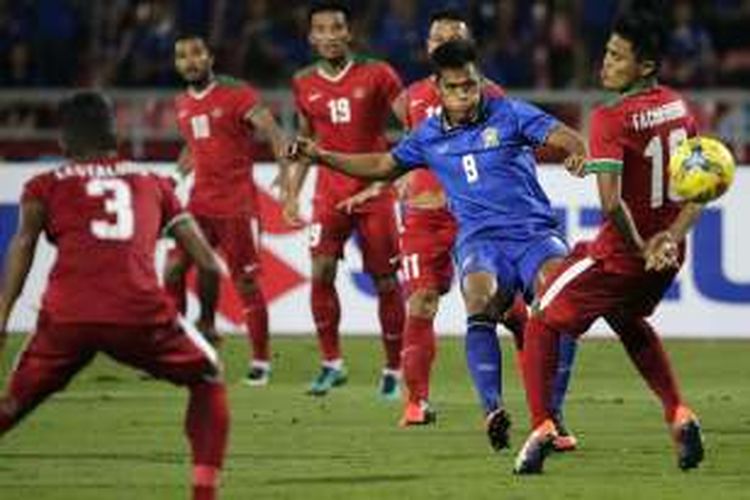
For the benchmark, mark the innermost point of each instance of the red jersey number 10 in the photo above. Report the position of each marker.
(118, 202)
(655, 152)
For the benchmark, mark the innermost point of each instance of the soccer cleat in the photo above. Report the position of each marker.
(418, 414)
(258, 376)
(686, 431)
(565, 440)
(327, 379)
(390, 387)
(497, 426)
(539, 444)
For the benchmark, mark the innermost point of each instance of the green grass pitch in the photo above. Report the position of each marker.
(111, 435)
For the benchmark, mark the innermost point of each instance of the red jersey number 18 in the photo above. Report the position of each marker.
(655, 151)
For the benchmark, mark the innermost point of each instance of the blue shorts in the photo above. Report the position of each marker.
(514, 264)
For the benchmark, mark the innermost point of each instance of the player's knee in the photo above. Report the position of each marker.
(563, 318)
(246, 284)
(324, 269)
(385, 283)
(423, 303)
(477, 301)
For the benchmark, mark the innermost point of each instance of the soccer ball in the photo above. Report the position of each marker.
(701, 169)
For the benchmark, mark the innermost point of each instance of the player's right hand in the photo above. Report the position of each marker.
(576, 165)
(661, 252)
(350, 204)
(290, 211)
(304, 149)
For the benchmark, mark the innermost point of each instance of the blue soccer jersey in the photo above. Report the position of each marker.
(487, 168)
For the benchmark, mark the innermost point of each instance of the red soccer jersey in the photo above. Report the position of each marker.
(423, 101)
(637, 134)
(347, 114)
(212, 123)
(104, 218)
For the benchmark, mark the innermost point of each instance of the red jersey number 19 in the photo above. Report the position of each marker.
(655, 151)
(118, 201)
(341, 110)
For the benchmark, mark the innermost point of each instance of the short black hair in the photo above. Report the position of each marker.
(642, 25)
(448, 14)
(330, 6)
(193, 35)
(454, 54)
(87, 123)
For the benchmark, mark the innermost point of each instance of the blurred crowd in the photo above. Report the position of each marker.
(525, 43)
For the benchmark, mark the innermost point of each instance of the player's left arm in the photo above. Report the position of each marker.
(261, 118)
(539, 127)
(19, 259)
(189, 236)
(569, 140)
(616, 209)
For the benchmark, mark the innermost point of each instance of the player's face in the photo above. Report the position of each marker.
(460, 92)
(193, 60)
(446, 31)
(621, 68)
(330, 35)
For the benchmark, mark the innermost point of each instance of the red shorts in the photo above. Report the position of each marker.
(174, 351)
(236, 238)
(426, 245)
(584, 289)
(375, 223)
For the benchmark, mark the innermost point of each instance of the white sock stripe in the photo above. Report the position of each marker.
(561, 281)
(200, 342)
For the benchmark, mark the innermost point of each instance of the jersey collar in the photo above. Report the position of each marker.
(203, 93)
(639, 86)
(482, 114)
(341, 74)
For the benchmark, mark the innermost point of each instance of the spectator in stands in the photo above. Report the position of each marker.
(148, 46)
(732, 32)
(595, 23)
(59, 37)
(690, 60)
(256, 56)
(397, 39)
(510, 48)
(564, 63)
(15, 51)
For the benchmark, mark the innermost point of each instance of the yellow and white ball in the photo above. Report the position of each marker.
(701, 169)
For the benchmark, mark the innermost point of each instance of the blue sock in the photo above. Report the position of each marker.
(484, 361)
(567, 348)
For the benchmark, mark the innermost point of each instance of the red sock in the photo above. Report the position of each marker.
(207, 427)
(647, 354)
(539, 367)
(515, 319)
(391, 310)
(326, 314)
(256, 319)
(417, 356)
(204, 493)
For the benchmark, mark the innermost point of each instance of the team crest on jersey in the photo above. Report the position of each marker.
(217, 112)
(182, 114)
(490, 137)
(359, 93)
